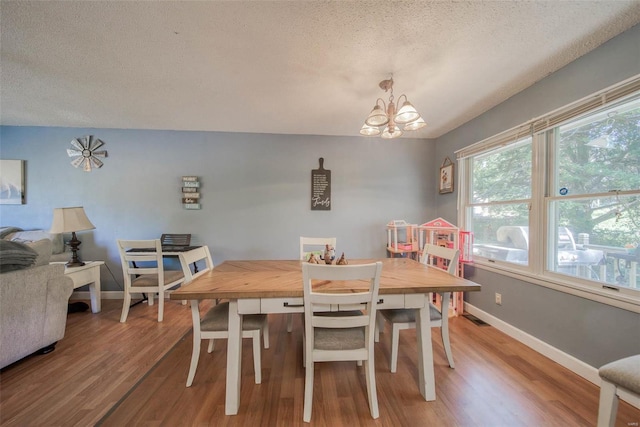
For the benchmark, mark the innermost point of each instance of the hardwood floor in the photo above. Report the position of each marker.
(112, 374)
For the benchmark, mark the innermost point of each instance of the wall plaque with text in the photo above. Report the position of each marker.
(321, 188)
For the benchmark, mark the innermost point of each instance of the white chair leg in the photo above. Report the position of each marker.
(304, 352)
(308, 391)
(289, 322)
(211, 345)
(395, 342)
(379, 326)
(125, 307)
(160, 306)
(372, 393)
(195, 356)
(608, 405)
(257, 365)
(150, 297)
(444, 332)
(265, 334)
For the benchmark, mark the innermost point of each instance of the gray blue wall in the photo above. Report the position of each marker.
(593, 332)
(255, 189)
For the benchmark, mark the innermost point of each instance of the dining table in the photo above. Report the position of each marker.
(275, 286)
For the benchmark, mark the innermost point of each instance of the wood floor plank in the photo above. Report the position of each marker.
(112, 374)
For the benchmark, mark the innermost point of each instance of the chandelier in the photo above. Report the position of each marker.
(385, 118)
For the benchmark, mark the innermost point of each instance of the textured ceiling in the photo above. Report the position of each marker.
(305, 67)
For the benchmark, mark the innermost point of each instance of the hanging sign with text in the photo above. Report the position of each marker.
(320, 188)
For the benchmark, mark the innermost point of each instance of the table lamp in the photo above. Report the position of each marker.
(70, 220)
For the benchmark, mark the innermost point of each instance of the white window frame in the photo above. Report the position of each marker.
(540, 128)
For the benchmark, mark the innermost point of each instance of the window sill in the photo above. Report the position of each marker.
(615, 298)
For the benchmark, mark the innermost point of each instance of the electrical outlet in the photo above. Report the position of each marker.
(498, 298)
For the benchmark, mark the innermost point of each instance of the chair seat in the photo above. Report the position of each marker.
(339, 339)
(152, 280)
(217, 319)
(405, 315)
(624, 373)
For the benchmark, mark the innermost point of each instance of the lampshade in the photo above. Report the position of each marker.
(385, 118)
(406, 113)
(415, 125)
(369, 130)
(387, 133)
(67, 220)
(377, 117)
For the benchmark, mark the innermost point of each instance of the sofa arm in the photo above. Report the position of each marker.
(59, 289)
(33, 310)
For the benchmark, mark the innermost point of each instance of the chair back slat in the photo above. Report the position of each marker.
(340, 321)
(432, 253)
(193, 256)
(175, 239)
(318, 273)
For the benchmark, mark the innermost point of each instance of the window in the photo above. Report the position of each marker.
(500, 199)
(595, 196)
(558, 198)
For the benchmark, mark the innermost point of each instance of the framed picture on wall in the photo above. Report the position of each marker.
(446, 176)
(11, 182)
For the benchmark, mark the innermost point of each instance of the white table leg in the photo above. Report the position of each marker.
(234, 359)
(425, 352)
(94, 291)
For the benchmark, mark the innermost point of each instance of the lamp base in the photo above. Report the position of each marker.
(73, 244)
(74, 264)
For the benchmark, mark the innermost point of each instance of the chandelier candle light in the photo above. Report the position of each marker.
(384, 118)
(70, 220)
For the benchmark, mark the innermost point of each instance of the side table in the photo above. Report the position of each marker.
(88, 274)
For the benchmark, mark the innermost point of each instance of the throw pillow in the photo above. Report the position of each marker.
(43, 248)
(15, 256)
(35, 235)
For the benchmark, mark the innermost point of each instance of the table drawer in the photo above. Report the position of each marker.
(414, 300)
(390, 301)
(249, 306)
(282, 305)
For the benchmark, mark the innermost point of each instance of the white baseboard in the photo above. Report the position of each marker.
(577, 366)
(103, 295)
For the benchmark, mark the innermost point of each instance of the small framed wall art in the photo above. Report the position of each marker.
(12, 182)
(446, 176)
(190, 192)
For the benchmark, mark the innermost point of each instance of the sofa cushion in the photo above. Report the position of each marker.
(16, 256)
(43, 248)
(35, 235)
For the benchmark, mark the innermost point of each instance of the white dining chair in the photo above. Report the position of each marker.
(215, 323)
(402, 318)
(340, 336)
(308, 245)
(143, 271)
(622, 374)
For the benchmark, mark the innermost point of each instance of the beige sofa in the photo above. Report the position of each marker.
(59, 251)
(33, 306)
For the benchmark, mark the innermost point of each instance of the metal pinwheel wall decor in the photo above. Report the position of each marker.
(84, 151)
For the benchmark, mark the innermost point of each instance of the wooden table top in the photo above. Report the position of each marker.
(283, 278)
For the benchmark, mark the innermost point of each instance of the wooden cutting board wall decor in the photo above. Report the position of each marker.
(320, 188)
